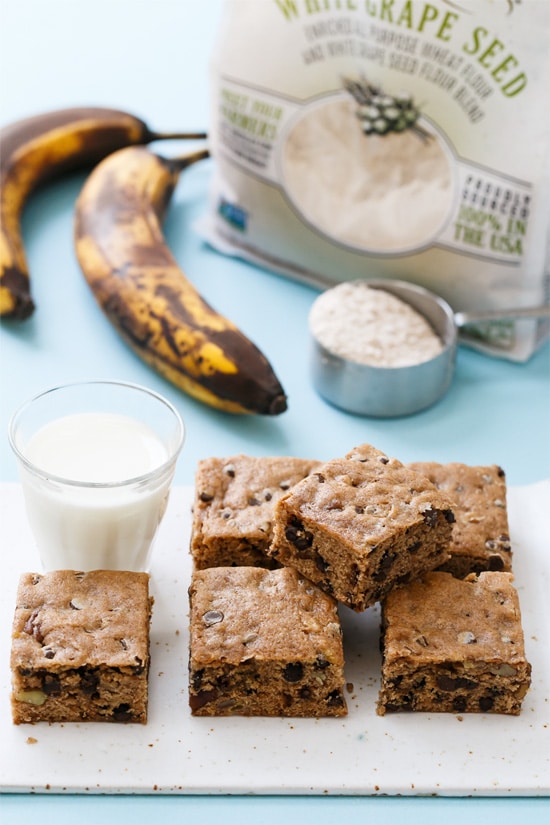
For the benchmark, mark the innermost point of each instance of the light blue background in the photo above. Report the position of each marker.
(151, 58)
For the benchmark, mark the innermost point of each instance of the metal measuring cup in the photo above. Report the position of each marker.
(386, 392)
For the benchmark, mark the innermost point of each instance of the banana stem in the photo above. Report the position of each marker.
(182, 162)
(178, 136)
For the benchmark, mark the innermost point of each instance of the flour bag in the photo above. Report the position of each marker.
(389, 138)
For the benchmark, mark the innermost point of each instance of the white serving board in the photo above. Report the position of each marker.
(362, 754)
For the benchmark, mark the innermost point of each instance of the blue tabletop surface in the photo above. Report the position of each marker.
(151, 58)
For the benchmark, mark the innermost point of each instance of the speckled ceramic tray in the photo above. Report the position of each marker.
(442, 754)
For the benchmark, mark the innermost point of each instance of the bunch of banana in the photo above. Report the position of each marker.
(124, 256)
(37, 149)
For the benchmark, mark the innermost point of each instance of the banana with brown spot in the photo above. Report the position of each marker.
(36, 149)
(123, 254)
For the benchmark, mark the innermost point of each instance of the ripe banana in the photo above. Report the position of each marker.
(123, 254)
(41, 147)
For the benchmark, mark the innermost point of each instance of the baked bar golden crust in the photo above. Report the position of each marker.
(453, 645)
(359, 525)
(234, 507)
(481, 536)
(263, 643)
(80, 647)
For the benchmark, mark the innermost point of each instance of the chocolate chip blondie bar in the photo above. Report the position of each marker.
(481, 536)
(453, 645)
(359, 525)
(80, 647)
(263, 643)
(234, 507)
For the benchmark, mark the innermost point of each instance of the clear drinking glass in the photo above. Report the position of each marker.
(96, 461)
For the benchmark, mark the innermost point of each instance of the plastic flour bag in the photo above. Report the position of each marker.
(389, 138)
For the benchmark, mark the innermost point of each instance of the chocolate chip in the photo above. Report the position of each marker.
(89, 681)
(486, 703)
(199, 700)
(206, 497)
(383, 460)
(320, 478)
(384, 566)
(253, 502)
(459, 704)
(321, 662)
(321, 565)
(431, 516)
(287, 700)
(297, 535)
(293, 672)
(335, 699)
(197, 679)
(392, 707)
(51, 684)
(449, 683)
(504, 544)
(122, 713)
(495, 563)
(327, 586)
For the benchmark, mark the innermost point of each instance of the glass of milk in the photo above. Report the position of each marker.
(96, 461)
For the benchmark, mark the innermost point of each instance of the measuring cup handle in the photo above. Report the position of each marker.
(463, 318)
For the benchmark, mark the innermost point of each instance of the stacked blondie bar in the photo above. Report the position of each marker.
(279, 543)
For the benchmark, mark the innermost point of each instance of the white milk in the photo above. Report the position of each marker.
(86, 527)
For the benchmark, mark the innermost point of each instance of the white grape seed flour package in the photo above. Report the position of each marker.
(389, 138)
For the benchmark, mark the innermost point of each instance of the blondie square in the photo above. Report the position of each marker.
(481, 536)
(359, 525)
(453, 645)
(263, 643)
(234, 508)
(80, 647)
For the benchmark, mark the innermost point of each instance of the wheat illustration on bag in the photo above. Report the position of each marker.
(380, 113)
